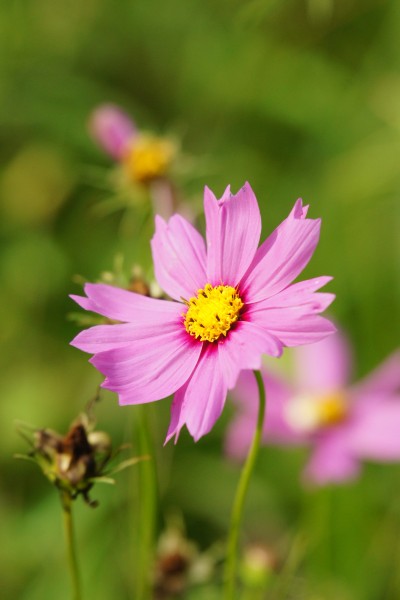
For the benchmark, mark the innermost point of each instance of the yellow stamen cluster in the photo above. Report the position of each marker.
(309, 412)
(149, 158)
(332, 409)
(213, 312)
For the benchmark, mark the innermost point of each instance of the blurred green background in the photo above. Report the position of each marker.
(300, 98)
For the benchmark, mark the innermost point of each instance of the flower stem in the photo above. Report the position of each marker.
(238, 504)
(66, 504)
(147, 509)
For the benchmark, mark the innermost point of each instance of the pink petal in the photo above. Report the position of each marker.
(82, 301)
(282, 257)
(242, 349)
(290, 326)
(292, 315)
(108, 337)
(179, 257)
(233, 226)
(325, 365)
(385, 379)
(151, 368)
(300, 295)
(331, 460)
(375, 431)
(112, 129)
(122, 305)
(177, 422)
(199, 403)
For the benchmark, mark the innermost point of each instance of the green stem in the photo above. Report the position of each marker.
(238, 504)
(66, 504)
(147, 509)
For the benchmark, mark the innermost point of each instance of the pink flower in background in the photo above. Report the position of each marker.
(343, 424)
(145, 157)
(145, 161)
(231, 303)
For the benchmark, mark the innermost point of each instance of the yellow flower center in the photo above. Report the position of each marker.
(212, 312)
(148, 158)
(332, 409)
(309, 412)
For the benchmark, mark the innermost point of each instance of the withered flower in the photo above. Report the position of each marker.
(76, 461)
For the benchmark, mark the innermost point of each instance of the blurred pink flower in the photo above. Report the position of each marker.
(145, 157)
(232, 302)
(112, 129)
(343, 424)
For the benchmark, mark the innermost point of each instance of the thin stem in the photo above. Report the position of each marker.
(238, 504)
(147, 509)
(66, 504)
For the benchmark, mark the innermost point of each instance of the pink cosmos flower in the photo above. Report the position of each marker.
(343, 424)
(145, 157)
(231, 303)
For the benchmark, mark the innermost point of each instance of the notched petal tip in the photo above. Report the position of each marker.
(209, 194)
(82, 301)
(197, 433)
(299, 211)
(248, 191)
(159, 221)
(173, 434)
(226, 195)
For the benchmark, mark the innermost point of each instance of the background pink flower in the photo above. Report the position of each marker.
(231, 303)
(343, 424)
(145, 161)
(112, 129)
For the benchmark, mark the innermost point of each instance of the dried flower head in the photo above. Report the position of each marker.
(76, 461)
